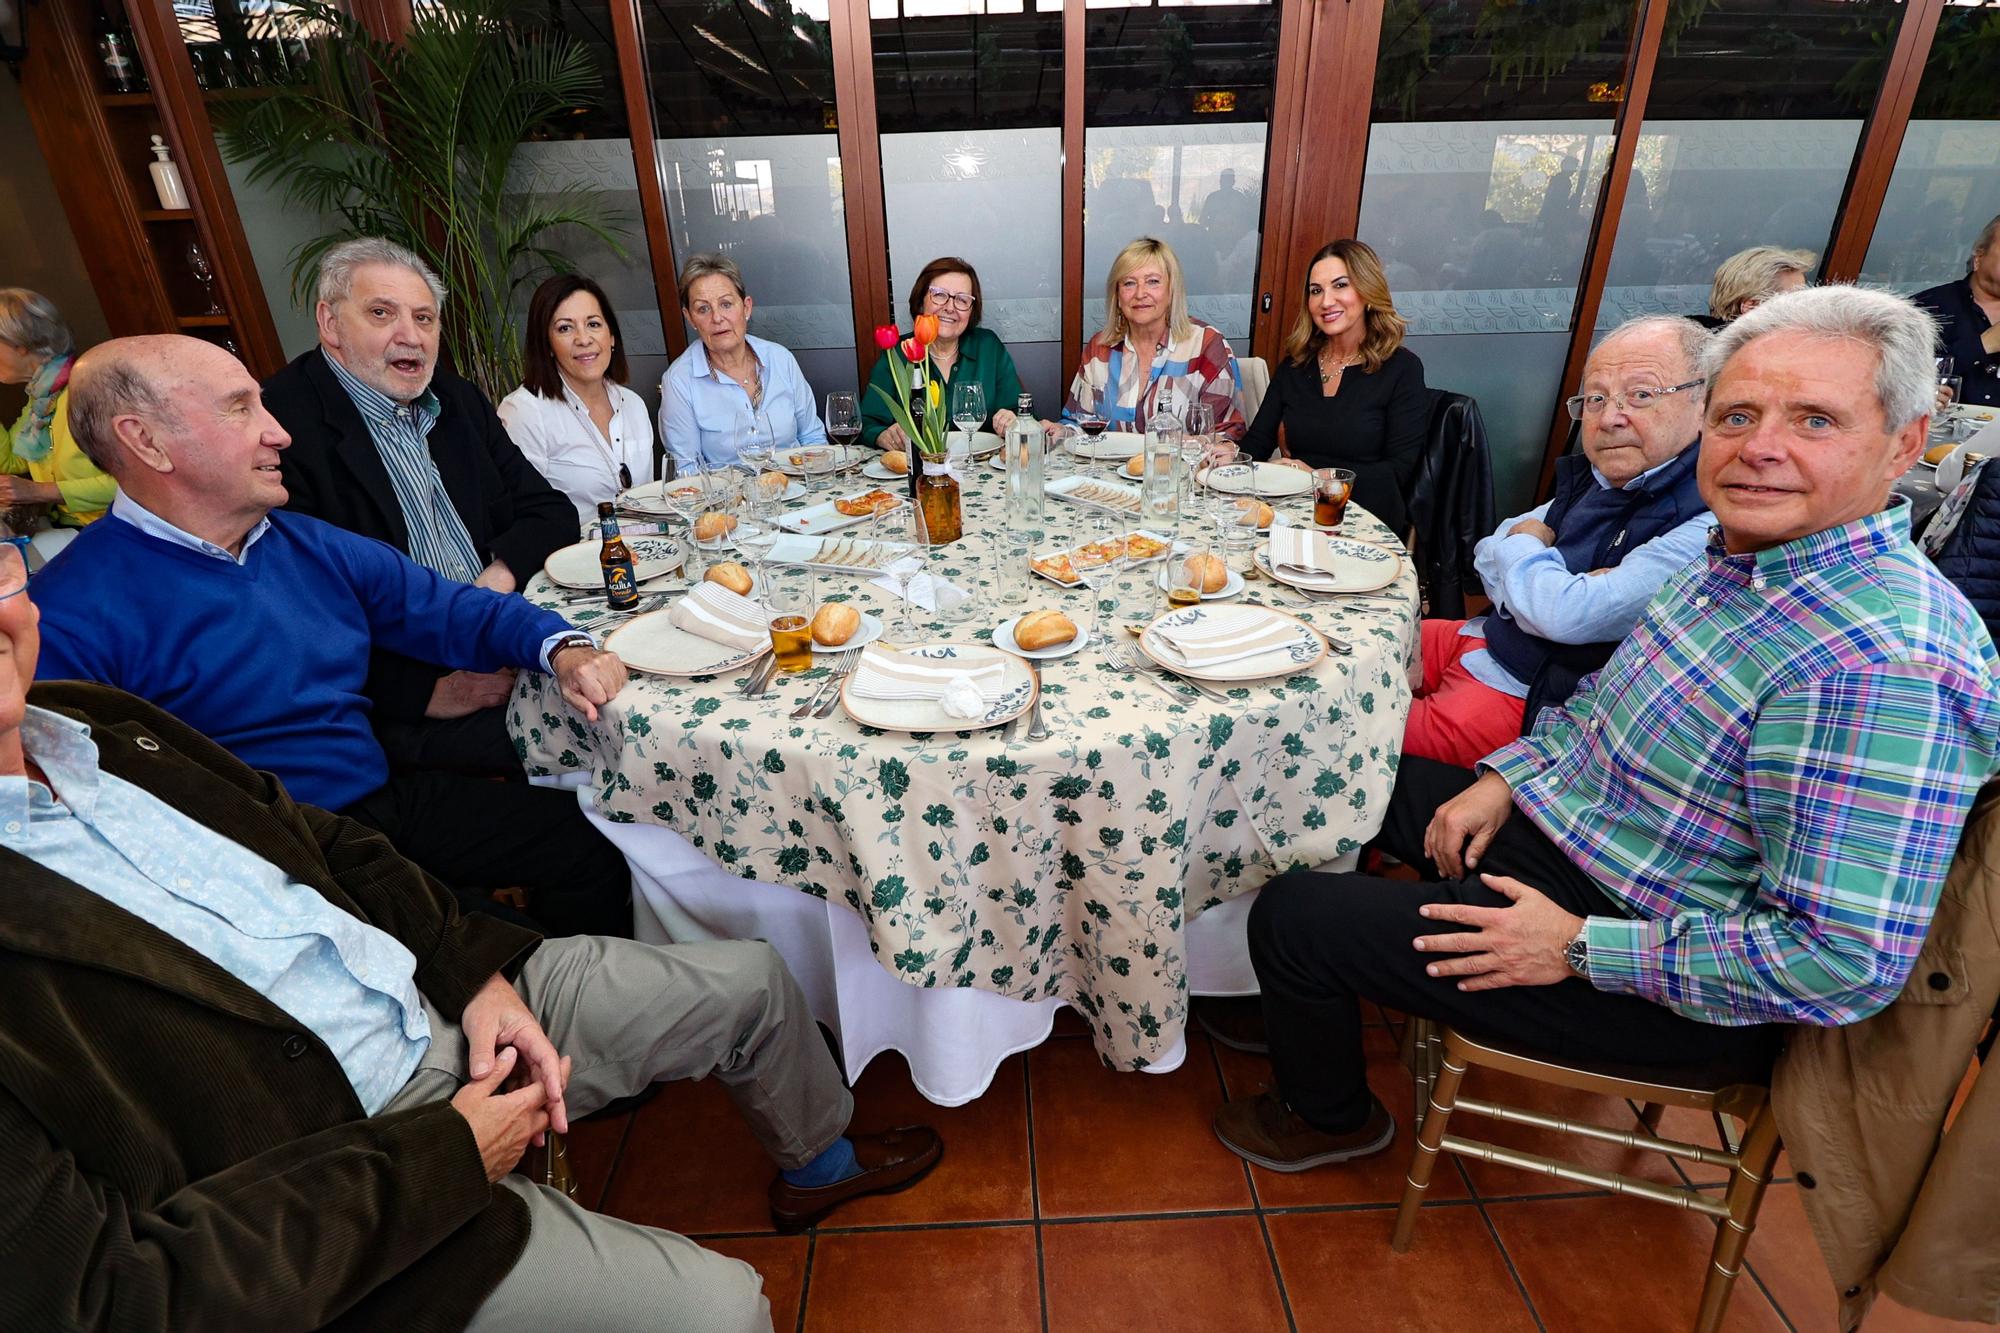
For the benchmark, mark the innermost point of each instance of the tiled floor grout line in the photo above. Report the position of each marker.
(1035, 1191)
(805, 1282)
(1256, 1199)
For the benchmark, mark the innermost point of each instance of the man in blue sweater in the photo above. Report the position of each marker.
(256, 626)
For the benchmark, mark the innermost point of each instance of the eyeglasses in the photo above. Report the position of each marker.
(1632, 400)
(13, 566)
(956, 300)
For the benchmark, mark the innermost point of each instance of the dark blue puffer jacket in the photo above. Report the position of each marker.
(1971, 555)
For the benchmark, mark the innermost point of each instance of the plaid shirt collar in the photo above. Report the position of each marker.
(1789, 562)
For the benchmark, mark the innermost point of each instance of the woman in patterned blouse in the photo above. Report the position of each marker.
(1150, 346)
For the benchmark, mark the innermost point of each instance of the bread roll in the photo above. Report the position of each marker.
(1043, 629)
(896, 461)
(710, 526)
(1937, 453)
(835, 624)
(731, 576)
(1206, 572)
(1256, 514)
(1135, 466)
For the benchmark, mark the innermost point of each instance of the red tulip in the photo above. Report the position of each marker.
(913, 351)
(887, 336)
(926, 329)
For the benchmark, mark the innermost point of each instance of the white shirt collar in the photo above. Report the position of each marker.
(125, 507)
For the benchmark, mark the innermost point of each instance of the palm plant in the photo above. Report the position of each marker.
(412, 141)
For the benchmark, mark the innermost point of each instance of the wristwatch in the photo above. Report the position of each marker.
(1577, 954)
(578, 640)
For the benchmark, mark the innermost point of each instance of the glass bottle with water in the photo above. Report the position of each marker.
(1159, 485)
(1024, 468)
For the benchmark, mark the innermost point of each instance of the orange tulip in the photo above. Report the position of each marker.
(927, 329)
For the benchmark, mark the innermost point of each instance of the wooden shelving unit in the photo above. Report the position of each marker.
(142, 258)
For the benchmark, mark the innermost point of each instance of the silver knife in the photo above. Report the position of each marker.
(1038, 730)
(759, 677)
(833, 697)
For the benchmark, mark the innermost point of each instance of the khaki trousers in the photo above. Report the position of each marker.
(629, 1015)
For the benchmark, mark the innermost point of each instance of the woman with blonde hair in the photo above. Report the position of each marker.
(1751, 277)
(1347, 393)
(1149, 342)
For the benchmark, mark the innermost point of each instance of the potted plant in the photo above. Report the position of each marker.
(936, 488)
(413, 141)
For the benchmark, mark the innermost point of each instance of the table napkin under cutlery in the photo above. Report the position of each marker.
(1227, 634)
(965, 689)
(717, 614)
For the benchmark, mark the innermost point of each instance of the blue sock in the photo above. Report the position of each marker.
(835, 1164)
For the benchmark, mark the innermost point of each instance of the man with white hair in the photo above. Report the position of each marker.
(1743, 821)
(386, 444)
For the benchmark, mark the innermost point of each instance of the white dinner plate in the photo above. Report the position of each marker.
(1270, 479)
(655, 645)
(577, 566)
(876, 472)
(1003, 637)
(822, 518)
(1302, 654)
(985, 444)
(871, 630)
(1017, 691)
(727, 541)
(1361, 567)
(1118, 444)
(1230, 587)
(844, 457)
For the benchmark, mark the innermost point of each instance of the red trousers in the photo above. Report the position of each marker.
(1454, 718)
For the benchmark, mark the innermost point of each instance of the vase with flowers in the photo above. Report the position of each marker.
(919, 410)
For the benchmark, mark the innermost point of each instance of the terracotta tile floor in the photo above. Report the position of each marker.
(1075, 1200)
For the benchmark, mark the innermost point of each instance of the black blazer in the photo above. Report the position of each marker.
(334, 473)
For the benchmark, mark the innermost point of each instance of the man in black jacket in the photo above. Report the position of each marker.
(386, 445)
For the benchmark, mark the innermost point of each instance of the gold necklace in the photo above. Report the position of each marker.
(1327, 376)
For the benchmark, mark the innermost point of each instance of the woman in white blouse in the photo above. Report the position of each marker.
(573, 417)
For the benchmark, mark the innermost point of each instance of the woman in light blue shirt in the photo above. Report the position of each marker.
(730, 386)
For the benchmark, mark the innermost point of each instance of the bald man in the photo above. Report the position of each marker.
(256, 627)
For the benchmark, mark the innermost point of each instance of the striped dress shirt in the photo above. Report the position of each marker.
(438, 539)
(1770, 776)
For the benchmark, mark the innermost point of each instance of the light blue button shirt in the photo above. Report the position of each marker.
(350, 984)
(1573, 606)
(705, 415)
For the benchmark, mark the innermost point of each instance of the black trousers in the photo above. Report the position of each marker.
(1323, 943)
(477, 743)
(476, 835)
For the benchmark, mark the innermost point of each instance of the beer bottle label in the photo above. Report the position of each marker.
(619, 588)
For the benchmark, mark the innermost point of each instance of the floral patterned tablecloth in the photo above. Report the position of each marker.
(1067, 867)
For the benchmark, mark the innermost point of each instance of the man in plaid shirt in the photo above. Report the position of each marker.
(1743, 821)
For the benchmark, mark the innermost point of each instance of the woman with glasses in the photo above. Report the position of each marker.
(1149, 346)
(573, 417)
(46, 481)
(730, 388)
(949, 289)
(1347, 393)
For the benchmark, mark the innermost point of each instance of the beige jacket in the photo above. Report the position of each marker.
(1901, 1201)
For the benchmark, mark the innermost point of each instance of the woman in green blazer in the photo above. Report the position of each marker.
(949, 289)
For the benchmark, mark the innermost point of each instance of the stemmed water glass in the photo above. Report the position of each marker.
(968, 408)
(901, 525)
(843, 419)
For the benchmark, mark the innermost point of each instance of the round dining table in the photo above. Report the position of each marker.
(1060, 870)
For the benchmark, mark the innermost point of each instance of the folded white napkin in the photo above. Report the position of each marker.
(1227, 634)
(965, 689)
(715, 613)
(1300, 553)
(920, 589)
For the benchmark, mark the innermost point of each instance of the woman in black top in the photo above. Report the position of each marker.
(1348, 393)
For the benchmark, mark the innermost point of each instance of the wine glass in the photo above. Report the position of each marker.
(843, 419)
(901, 525)
(968, 408)
(204, 273)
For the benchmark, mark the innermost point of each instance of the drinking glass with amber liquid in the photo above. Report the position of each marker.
(1331, 488)
(791, 593)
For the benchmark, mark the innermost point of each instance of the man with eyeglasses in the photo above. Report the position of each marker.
(1569, 578)
(1742, 822)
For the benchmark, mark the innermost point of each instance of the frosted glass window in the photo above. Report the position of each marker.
(541, 171)
(1945, 188)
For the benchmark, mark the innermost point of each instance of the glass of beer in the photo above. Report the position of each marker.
(791, 593)
(1331, 488)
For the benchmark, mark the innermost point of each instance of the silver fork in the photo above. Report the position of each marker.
(832, 700)
(1142, 662)
(837, 666)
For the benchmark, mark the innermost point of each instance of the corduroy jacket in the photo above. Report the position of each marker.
(178, 1152)
(1900, 1201)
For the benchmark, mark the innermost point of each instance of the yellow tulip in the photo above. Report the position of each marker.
(937, 395)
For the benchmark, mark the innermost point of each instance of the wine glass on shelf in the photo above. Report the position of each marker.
(843, 418)
(968, 408)
(204, 274)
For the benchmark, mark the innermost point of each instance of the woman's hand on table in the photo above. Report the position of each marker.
(1003, 421)
(892, 437)
(1218, 451)
(22, 491)
(1298, 463)
(588, 677)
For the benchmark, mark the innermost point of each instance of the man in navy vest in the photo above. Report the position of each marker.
(1569, 579)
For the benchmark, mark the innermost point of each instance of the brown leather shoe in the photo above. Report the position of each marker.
(890, 1161)
(1264, 1130)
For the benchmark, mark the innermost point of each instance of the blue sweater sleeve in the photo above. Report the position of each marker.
(420, 614)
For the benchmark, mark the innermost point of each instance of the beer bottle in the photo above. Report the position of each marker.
(916, 455)
(621, 589)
